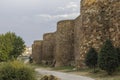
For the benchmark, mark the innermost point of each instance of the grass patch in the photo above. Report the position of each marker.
(99, 75)
(39, 65)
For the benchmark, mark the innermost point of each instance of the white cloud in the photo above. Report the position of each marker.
(63, 16)
(20, 16)
(71, 6)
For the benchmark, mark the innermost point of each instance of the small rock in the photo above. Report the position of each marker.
(49, 77)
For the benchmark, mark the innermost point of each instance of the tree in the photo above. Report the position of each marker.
(91, 58)
(118, 54)
(4, 48)
(18, 47)
(108, 59)
(11, 46)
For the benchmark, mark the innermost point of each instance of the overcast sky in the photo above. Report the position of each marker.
(30, 19)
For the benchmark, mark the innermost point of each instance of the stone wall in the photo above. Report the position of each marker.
(99, 20)
(112, 16)
(48, 47)
(37, 51)
(91, 32)
(64, 43)
(78, 34)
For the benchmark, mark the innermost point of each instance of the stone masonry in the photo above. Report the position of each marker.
(98, 20)
(37, 51)
(48, 48)
(64, 43)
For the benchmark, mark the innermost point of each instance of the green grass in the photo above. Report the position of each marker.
(105, 76)
(39, 65)
(99, 75)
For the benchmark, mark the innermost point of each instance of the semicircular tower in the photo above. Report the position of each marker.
(65, 43)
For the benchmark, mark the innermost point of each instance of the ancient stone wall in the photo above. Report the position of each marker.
(92, 29)
(64, 43)
(78, 34)
(37, 51)
(112, 17)
(100, 20)
(48, 47)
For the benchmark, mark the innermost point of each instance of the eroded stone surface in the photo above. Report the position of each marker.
(99, 20)
(48, 48)
(37, 51)
(65, 43)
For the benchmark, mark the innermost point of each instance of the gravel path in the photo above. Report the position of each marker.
(61, 75)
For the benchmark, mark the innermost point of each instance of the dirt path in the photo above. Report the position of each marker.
(61, 75)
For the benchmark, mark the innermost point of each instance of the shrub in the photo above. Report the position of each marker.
(118, 53)
(108, 59)
(16, 71)
(91, 58)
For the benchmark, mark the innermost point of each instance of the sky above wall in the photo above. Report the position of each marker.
(30, 19)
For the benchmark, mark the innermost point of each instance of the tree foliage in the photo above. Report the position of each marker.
(108, 59)
(91, 58)
(11, 46)
(118, 53)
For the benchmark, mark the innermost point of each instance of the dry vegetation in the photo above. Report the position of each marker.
(101, 75)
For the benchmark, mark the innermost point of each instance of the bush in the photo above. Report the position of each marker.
(16, 71)
(91, 58)
(118, 53)
(108, 59)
